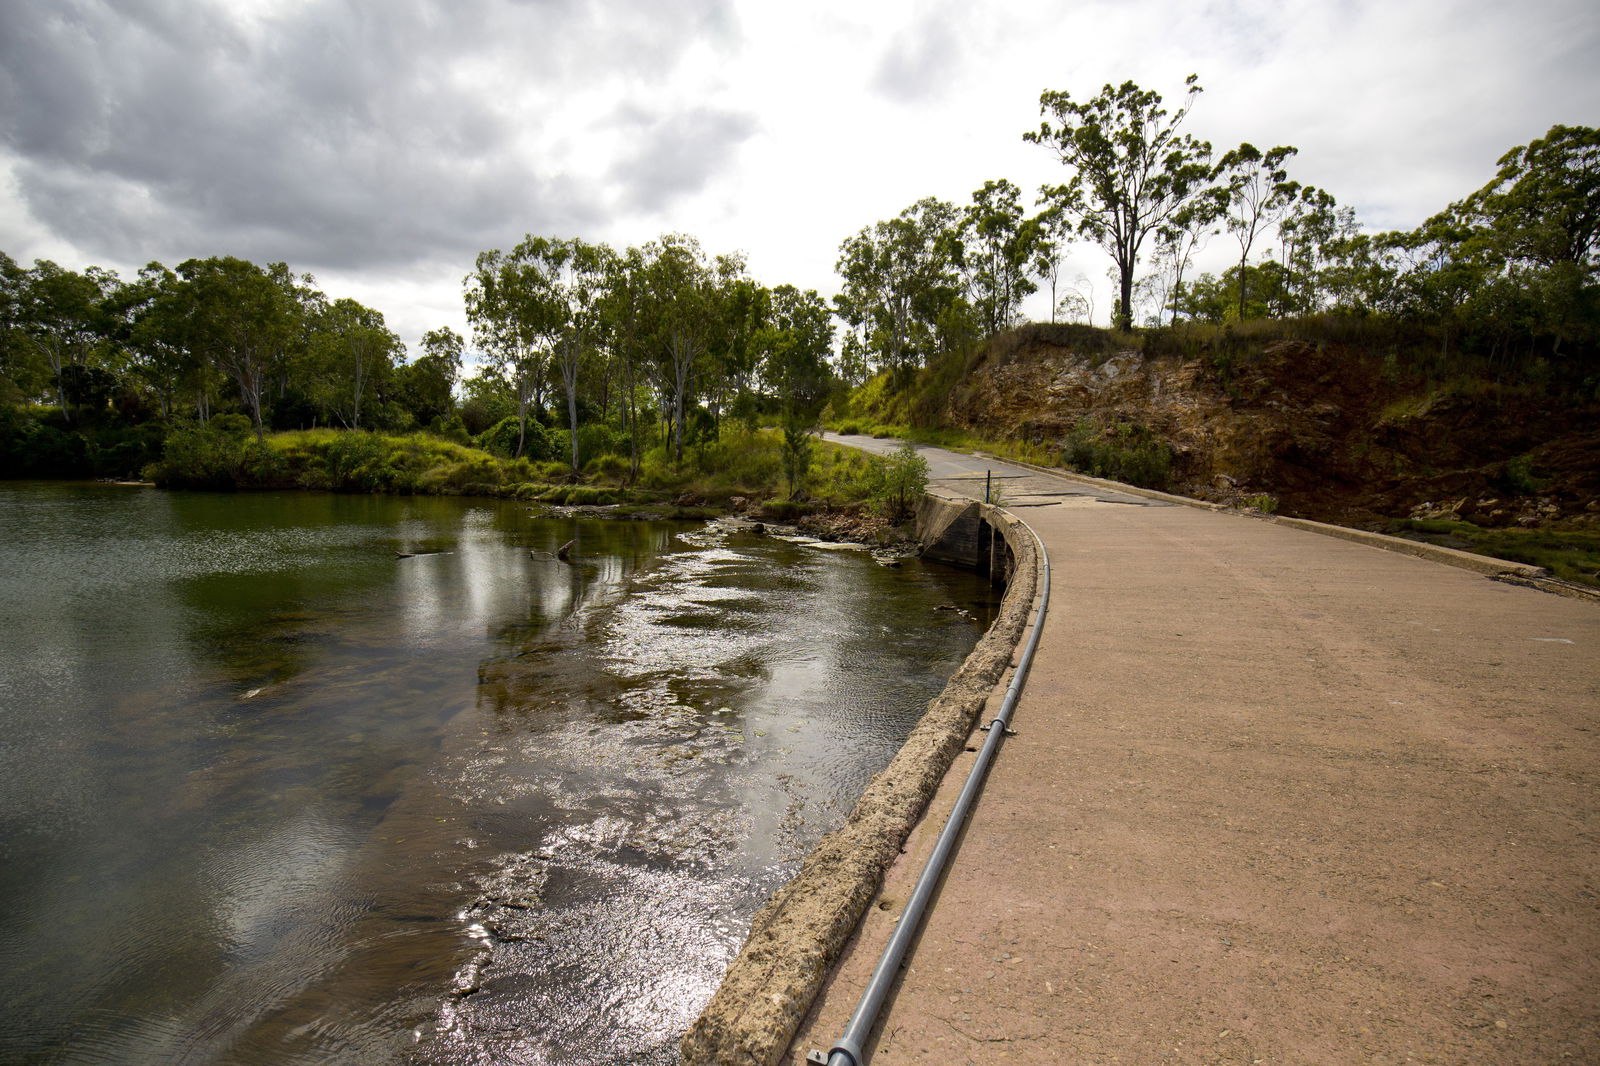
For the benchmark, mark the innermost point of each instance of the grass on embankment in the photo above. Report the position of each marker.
(1573, 555)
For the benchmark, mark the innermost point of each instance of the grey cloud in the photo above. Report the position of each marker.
(917, 65)
(676, 153)
(334, 136)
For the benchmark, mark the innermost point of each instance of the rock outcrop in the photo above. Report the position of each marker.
(1332, 432)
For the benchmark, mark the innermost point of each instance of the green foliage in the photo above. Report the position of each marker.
(1264, 502)
(903, 480)
(998, 249)
(1519, 478)
(1125, 451)
(30, 447)
(220, 455)
(1130, 171)
(1573, 555)
(538, 443)
(900, 286)
(596, 440)
(486, 400)
(796, 452)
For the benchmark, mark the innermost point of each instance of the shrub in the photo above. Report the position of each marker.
(1126, 452)
(904, 480)
(355, 462)
(221, 455)
(607, 468)
(537, 443)
(796, 452)
(1264, 502)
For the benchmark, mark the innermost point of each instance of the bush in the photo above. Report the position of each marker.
(29, 447)
(607, 468)
(356, 462)
(904, 479)
(537, 443)
(1126, 452)
(220, 455)
(596, 440)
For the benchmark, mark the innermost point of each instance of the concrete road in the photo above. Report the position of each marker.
(1275, 798)
(967, 475)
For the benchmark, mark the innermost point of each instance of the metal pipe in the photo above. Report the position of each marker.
(846, 1051)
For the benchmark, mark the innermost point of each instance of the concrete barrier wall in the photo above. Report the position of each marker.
(962, 533)
(795, 939)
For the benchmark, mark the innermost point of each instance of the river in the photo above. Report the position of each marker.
(273, 792)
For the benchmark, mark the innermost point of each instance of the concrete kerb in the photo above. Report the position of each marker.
(1482, 564)
(796, 937)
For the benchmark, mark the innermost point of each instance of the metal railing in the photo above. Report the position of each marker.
(847, 1050)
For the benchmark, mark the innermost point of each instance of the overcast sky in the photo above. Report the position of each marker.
(381, 144)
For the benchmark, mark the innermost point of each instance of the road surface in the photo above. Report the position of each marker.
(1275, 797)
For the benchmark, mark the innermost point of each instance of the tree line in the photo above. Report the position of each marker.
(1510, 267)
(589, 351)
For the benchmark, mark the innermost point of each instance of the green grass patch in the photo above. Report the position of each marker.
(1573, 555)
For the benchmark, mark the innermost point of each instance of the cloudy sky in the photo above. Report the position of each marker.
(381, 144)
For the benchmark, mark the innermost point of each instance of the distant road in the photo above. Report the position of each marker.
(958, 473)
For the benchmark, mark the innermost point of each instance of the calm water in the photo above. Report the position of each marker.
(270, 793)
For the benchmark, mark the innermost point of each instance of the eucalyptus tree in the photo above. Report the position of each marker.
(680, 309)
(155, 342)
(623, 337)
(795, 344)
(899, 279)
(574, 274)
(1260, 195)
(999, 248)
(1538, 225)
(1050, 251)
(60, 319)
(15, 380)
(514, 321)
(746, 308)
(1543, 206)
(1131, 170)
(242, 319)
(1185, 233)
(1315, 240)
(426, 385)
(357, 355)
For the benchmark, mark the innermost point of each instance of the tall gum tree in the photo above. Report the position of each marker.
(680, 309)
(515, 320)
(359, 352)
(242, 319)
(1260, 195)
(899, 278)
(1131, 169)
(999, 247)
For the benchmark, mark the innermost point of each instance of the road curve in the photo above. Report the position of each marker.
(1276, 797)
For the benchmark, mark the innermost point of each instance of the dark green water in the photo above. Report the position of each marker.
(271, 794)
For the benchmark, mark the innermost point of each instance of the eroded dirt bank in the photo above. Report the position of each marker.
(1334, 432)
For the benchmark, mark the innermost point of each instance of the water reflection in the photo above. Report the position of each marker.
(271, 793)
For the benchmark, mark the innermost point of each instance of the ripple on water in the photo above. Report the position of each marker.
(287, 792)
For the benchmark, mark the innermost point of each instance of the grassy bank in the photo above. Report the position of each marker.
(1573, 555)
(742, 467)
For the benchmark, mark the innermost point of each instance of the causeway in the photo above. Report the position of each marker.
(1274, 797)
